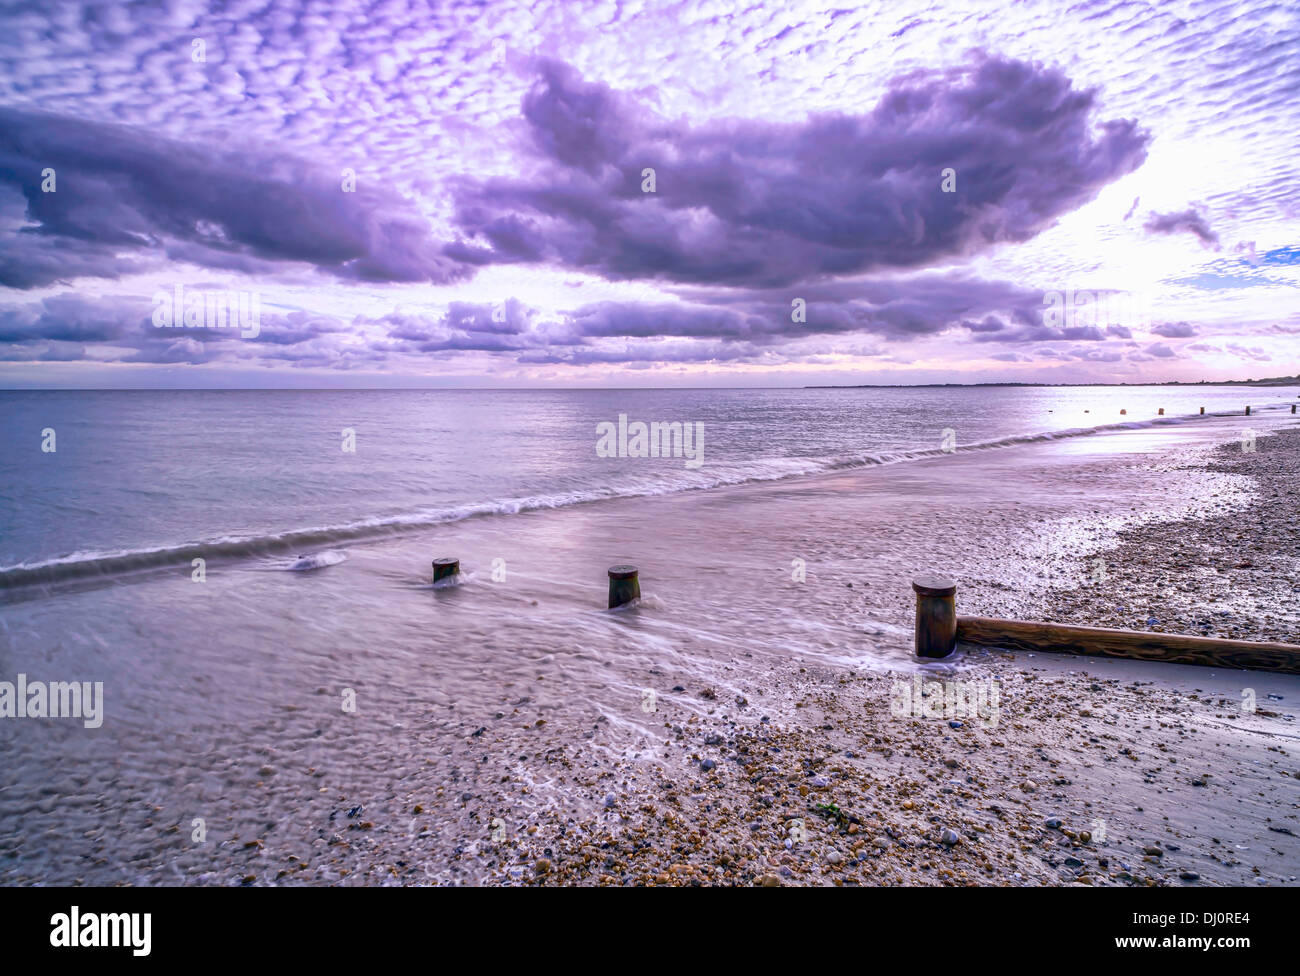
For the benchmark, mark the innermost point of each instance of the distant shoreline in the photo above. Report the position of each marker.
(1275, 381)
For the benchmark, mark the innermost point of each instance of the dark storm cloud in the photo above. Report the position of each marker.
(123, 191)
(1174, 330)
(752, 203)
(1183, 221)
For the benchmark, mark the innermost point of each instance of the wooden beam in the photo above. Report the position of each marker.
(1023, 635)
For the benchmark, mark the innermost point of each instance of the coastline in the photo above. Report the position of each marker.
(1098, 772)
(550, 771)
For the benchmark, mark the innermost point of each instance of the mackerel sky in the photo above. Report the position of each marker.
(499, 230)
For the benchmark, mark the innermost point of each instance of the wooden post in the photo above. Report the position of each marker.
(1026, 635)
(1248, 411)
(1293, 408)
(1123, 413)
(936, 616)
(624, 587)
(1202, 410)
(444, 567)
(1162, 411)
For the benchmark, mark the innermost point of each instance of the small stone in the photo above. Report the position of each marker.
(834, 857)
(1189, 876)
(707, 765)
(949, 837)
(1052, 823)
(1153, 851)
(543, 866)
(771, 881)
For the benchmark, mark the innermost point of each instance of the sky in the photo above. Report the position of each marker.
(622, 194)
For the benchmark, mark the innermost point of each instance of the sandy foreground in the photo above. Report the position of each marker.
(1067, 770)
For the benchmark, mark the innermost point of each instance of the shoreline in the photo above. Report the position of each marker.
(540, 776)
(861, 797)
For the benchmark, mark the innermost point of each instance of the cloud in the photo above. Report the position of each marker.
(119, 328)
(1188, 221)
(124, 198)
(759, 204)
(1174, 330)
(1254, 353)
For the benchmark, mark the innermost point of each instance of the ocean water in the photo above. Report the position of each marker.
(225, 692)
(147, 478)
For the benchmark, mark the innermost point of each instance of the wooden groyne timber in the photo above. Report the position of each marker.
(939, 629)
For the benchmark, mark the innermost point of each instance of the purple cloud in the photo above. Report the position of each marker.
(749, 203)
(1183, 221)
(122, 190)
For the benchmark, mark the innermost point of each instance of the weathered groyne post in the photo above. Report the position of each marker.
(445, 567)
(936, 616)
(938, 629)
(1161, 412)
(1202, 411)
(1293, 408)
(1123, 413)
(624, 587)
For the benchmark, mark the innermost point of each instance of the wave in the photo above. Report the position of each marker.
(80, 565)
(316, 560)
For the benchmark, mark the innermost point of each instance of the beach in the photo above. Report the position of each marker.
(752, 721)
(1098, 772)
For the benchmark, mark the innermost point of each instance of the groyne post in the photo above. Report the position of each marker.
(624, 586)
(936, 616)
(445, 567)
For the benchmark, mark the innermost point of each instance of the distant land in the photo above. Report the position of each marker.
(1271, 381)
